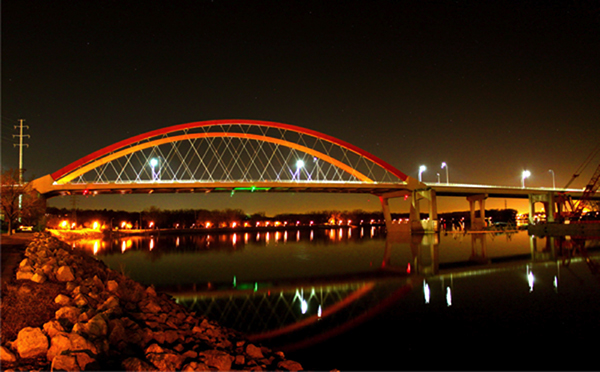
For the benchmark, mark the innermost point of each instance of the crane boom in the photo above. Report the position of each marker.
(588, 192)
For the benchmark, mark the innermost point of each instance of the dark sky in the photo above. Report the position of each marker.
(489, 87)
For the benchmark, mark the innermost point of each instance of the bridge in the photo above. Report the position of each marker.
(261, 156)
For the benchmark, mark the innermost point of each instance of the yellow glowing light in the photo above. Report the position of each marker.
(95, 225)
(207, 224)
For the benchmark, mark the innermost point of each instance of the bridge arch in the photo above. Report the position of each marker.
(225, 151)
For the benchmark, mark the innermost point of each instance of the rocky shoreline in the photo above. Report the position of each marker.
(106, 321)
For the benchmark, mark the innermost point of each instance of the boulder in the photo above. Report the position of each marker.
(63, 300)
(112, 286)
(52, 328)
(166, 361)
(31, 343)
(70, 342)
(289, 365)
(69, 313)
(64, 274)
(6, 356)
(254, 352)
(217, 359)
(135, 364)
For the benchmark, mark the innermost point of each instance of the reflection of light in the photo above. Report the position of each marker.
(277, 236)
(234, 239)
(152, 243)
(331, 234)
(96, 246)
(426, 292)
(319, 311)
(312, 235)
(530, 279)
(176, 243)
(298, 235)
(303, 306)
(246, 236)
(123, 246)
(448, 296)
(372, 231)
(267, 237)
(555, 282)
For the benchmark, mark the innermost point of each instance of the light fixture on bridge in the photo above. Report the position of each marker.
(524, 175)
(299, 166)
(444, 165)
(153, 164)
(422, 169)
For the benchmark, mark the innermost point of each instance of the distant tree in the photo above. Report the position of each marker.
(32, 205)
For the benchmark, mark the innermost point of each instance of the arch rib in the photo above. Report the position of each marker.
(115, 155)
(97, 155)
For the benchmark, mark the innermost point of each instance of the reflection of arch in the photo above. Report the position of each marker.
(357, 164)
(312, 319)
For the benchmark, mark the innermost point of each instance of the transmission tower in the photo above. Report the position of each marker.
(20, 145)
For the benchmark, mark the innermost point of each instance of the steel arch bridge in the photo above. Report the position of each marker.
(231, 156)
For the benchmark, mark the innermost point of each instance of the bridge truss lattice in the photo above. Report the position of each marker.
(230, 151)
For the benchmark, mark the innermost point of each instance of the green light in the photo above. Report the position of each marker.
(252, 189)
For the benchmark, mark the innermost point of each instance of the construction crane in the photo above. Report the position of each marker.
(588, 192)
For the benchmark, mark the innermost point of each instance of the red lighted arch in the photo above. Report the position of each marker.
(135, 139)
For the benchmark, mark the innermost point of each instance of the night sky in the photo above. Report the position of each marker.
(489, 87)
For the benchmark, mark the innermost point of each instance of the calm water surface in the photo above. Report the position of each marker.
(356, 299)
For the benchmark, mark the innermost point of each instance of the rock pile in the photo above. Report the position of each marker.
(107, 321)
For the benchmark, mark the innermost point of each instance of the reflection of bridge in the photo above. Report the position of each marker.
(289, 313)
(255, 156)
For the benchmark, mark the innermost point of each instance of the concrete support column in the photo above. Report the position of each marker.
(477, 223)
(550, 202)
(417, 225)
(387, 215)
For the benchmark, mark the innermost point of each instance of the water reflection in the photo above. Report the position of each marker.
(294, 289)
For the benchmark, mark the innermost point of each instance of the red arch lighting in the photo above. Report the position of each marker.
(183, 127)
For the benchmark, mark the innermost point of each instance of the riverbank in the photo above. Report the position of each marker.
(65, 310)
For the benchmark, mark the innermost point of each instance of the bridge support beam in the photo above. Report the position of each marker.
(477, 223)
(431, 223)
(551, 206)
(415, 223)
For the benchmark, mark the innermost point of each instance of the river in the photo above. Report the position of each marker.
(357, 299)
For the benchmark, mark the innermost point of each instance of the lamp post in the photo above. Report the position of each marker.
(299, 165)
(524, 175)
(153, 164)
(422, 169)
(444, 165)
(553, 182)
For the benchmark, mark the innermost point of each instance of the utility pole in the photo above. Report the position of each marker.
(21, 144)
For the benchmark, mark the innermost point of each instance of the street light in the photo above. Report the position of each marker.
(524, 175)
(422, 169)
(153, 164)
(299, 165)
(444, 165)
(553, 182)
